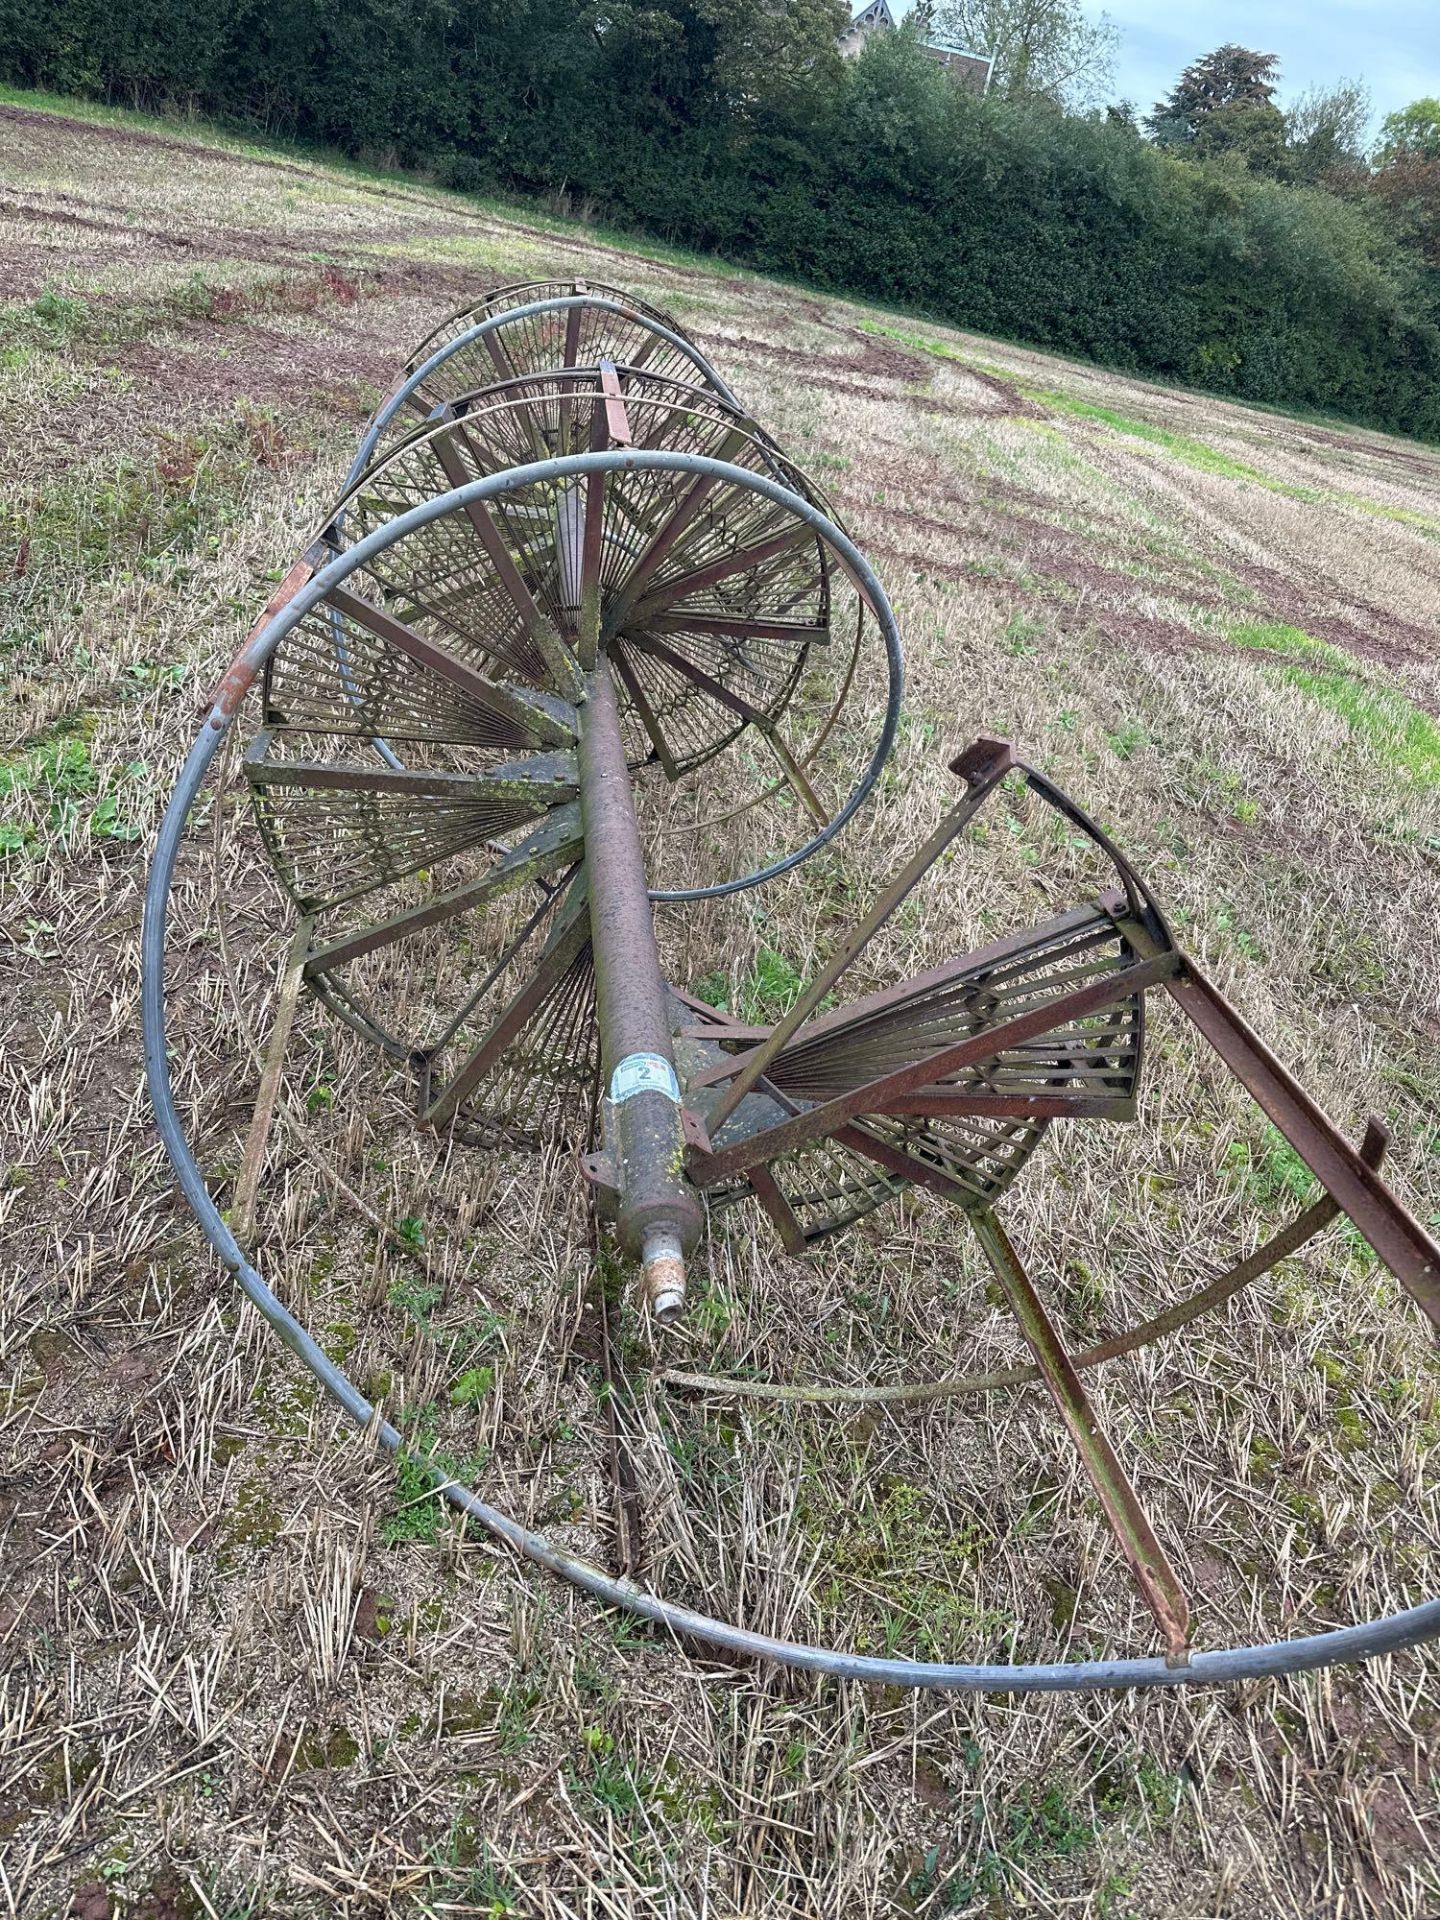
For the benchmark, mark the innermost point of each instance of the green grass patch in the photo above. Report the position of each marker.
(1273, 636)
(1272, 1173)
(771, 990)
(416, 1295)
(61, 319)
(1194, 453)
(420, 1513)
(1040, 1828)
(58, 785)
(1381, 721)
(1407, 516)
(472, 1386)
(938, 348)
(1183, 447)
(137, 517)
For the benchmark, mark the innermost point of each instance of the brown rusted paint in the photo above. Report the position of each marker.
(631, 1008)
(1389, 1226)
(823, 1119)
(239, 676)
(990, 766)
(1129, 1523)
(616, 417)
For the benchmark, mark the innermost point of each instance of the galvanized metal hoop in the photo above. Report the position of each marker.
(1393, 1633)
(526, 292)
(577, 466)
(397, 398)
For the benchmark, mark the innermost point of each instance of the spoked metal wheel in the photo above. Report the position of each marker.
(578, 638)
(719, 611)
(530, 293)
(447, 899)
(544, 335)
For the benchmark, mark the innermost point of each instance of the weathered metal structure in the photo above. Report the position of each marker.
(573, 617)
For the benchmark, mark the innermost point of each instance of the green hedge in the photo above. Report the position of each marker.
(877, 177)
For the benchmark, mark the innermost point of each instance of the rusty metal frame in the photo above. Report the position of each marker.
(1129, 1523)
(618, 930)
(1356, 1187)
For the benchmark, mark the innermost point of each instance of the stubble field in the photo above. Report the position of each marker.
(247, 1670)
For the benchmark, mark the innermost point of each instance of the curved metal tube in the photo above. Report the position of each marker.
(1387, 1635)
(577, 466)
(395, 400)
(476, 310)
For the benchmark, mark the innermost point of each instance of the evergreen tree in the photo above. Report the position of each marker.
(1229, 77)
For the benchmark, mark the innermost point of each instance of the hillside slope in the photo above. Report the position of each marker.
(251, 1675)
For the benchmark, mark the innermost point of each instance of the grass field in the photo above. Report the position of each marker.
(245, 1668)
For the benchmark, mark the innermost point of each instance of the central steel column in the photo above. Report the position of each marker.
(659, 1214)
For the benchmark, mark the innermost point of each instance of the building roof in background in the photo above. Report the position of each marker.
(875, 17)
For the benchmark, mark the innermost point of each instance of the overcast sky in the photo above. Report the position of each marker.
(1393, 45)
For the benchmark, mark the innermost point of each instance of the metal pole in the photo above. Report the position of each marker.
(659, 1214)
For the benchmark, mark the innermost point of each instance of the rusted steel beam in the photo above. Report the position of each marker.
(919, 1173)
(794, 773)
(572, 330)
(592, 547)
(509, 954)
(537, 624)
(781, 1213)
(1143, 1553)
(499, 355)
(822, 1119)
(680, 516)
(740, 560)
(564, 946)
(641, 353)
(554, 844)
(1389, 1226)
(644, 712)
(542, 722)
(726, 697)
(983, 777)
(658, 1215)
(617, 419)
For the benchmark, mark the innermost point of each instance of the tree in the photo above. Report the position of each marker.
(1231, 76)
(1411, 134)
(1325, 130)
(1043, 49)
(1406, 181)
(1245, 133)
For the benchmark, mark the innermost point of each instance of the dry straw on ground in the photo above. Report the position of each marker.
(246, 1670)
